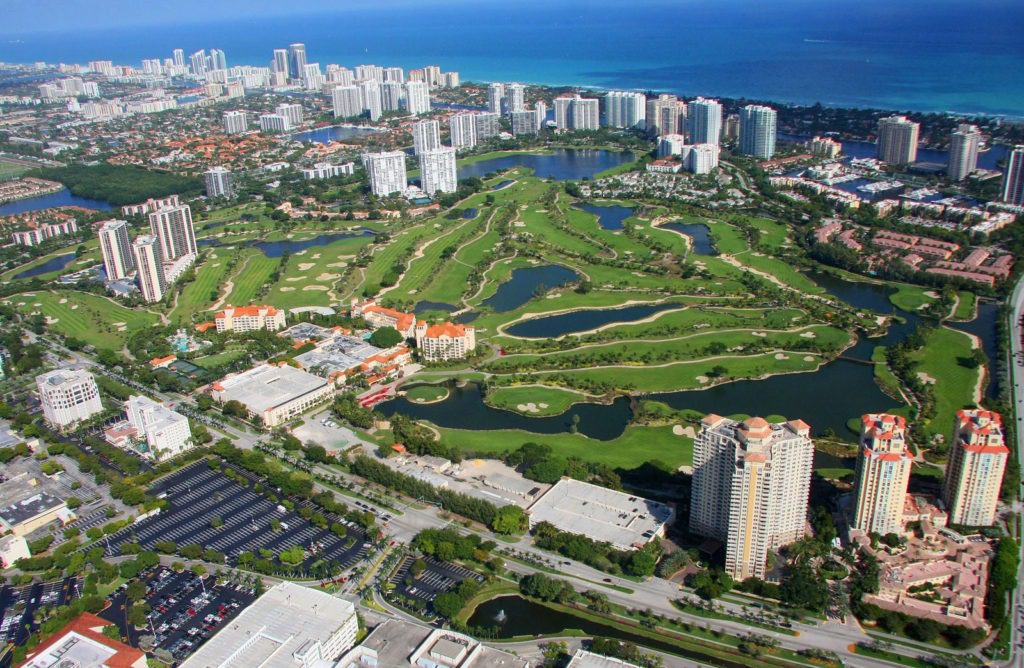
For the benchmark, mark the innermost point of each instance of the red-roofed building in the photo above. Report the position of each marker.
(883, 473)
(203, 326)
(81, 643)
(249, 318)
(382, 316)
(446, 341)
(162, 362)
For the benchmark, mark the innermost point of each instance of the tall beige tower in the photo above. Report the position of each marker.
(751, 482)
(883, 473)
(974, 474)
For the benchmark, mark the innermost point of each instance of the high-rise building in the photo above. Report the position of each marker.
(897, 140)
(395, 74)
(700, 158)
(391, 95)
(68, 396)
(274, 123)
(883, 473)
(750, 487)
(235, 122)
(370, 72)
(426, 136)
(437, 171)
(463, 130)
(172, 226)
(219, 182)
(179, 58)
(293, 112)
(450, 80)
(280, 63)
(577, 113)
(540, 111)
(340, 75)
(116, 249)
(1013, 180)
(347, 101)
(432, 75)
(369, 93)
(417, 97)
(218, 59)
(166, 432)
(826, 147)
(704, 118)
(731, 127)
(515, 96)
(963, 151)
(495, 94)
(296, 60)
(198, 62)
(487, 125)
(312, 77)
(524, 123)
(757, 131)
(662, 116)
(625, 110)
(386, 172)
(149, 268)
(974, 474)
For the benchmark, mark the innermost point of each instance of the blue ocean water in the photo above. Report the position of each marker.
(934, 55)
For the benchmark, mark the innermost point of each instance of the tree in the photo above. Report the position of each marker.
(711, 583)
(803, 587)
(136, 591)
(385, 337)
(449, 604)
(509, 520)
(137, 614)
(417, 568)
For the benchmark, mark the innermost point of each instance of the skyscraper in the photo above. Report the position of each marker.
(68, 396)
(963, 151)
(173, 228)
(280, 63)
(218, 182)
(391, 95)
(515, 95)
(235, 122)
(218, 59)
(883, 473)
(150, 276)
(395, 74)
(312, 77)
(974, 474)
(625, 110)
(663, 116)
(293, 112)
(437, 170)
(751, 482)
(1013, 180)
(372, 72)
(198, 62)
(296, 60)
(463, 130)
(577, 113)
(116, 249)
(524, 123)
(495, 94)
(386, 172)
(179, 58)
(897, 140)
(426, 136)
(417, 97)
(705, 121)
(340, 75)
(487, 125)
(347, 101)
(369, 93)
(757, 131)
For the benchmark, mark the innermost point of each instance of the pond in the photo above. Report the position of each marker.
(469, 213)
(504, 184)
(332, 133)
(525, 284)
(59, 198)
(55, 263)
(425, 306)
(561, 164)
(699, 235)
(609, 217)
(279, 248)
(584, 320)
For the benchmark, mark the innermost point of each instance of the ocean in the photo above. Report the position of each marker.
(936, 55)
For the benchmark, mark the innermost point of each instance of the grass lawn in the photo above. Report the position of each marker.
(633, 448)
(728, 239)
(911, 298)
(944, 358)
(197, 296)
(9, 170)
(423, 393)
(536, 400)
(98, 321)
(884, 376)
(965, 308)
(781, 270)
(834, 474)
(252, 273)
(773, 234)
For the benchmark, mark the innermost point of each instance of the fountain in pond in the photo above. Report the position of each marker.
(501, 617)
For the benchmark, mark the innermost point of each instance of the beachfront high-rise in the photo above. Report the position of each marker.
(172, 225)
(346, 101)
(495, 94)
(974, 474)
(1013, 180)
(437, 170)
(386, 172)
(963, 151)
(897, 140)
(280, 62)
(515, 97)
(757, 131)
(369, 93)
(426, 136)
(750, 487)
(219, 182)
(577, 113)
(463, 130)
(883, 473)
(296, 60)
(704, 120)
(625, 110)
(663, 115)
(150, 268)
(116, 249)
(417, 97)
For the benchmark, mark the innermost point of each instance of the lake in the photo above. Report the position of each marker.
(279, 248)
(699, 234)
(524, 284)
(584, 320)
(59, 198)
(609, 217)
(561, 164)
(55, 263)
(332, 133)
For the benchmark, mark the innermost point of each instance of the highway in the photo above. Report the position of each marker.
(1016, 610)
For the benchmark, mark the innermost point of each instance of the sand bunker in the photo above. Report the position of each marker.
(781, 356)
(327, 277)
(702, 379)
(759, 333)
(809, 358)
(63, 301)
(530, 407)
(316, 287)
(286, 289)
(680, 430)
(306, 266)
(808, 335)
(292, 279)
(925, 378)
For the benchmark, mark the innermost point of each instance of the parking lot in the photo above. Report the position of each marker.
(186, 610)
(18, 606)
(439, 577)
(198, 494)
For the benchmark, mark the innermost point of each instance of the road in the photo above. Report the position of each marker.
(1016, 609)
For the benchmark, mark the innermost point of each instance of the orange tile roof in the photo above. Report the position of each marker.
(447, 329)
(160, 361)
(90, 626)
(203, 326)
(243, 311)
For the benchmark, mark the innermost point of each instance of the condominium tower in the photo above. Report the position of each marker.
(963, 151)
(150, 268)
(577, 113)
(68, 396)
(974, 474)
(426, 136)
(751, 482)
(625, 110)
(883, 473)
(897, 140)
(417, 97)
(663, 115)
(386, 172)
(346, 101)
(705, 121)
(218, 182)
(116, 249)
(172, 225)
(515, 97)
(437, 170)
(235, 122)
(369, 92)
(463, 130)
(757, 131)
(495, 94)
(296, 60)
(1013, 181)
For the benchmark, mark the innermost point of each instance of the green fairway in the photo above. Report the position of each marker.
(252, 278)
(966, 306)
(944, 363)
(912, 298)
(426, 393)
(99, 321)
(535, 400)
(196, 297)
(10, 170)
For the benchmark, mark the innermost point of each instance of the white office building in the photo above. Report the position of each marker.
(149, 267)
(274, 394)
(704, 120)
(757, 131)
(426, 136)
(68, 396)
(386, 172)
(625, 110)
(218, 182)
(166, 432)
(437, 170)
(235, 122)
(116, 249)
(346, 101)
(897, 140)
(963, 151)
(462, 127)
(173, 227)
(495, 95)
(417, 97)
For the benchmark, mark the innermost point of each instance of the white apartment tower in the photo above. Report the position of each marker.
(347, 101)
(757, 131)
(396, 74)
(218, 182)
(172, 226)
(150, 268)
(417, 97)
(897, 140)
(495, 94)
(391, 95)
(426, 136)
(293, 112)
(663, 115)
(369, 92)
(280, 62)
(437, 170)
(704, 118)
(963, 151)
(463, 130)
(625, 110)
(1013, 180)
(883, 473)
(751, 482)
(116, 249)
(387, 172)
(166, 432)
(515, 97)
(235, 122)
(68, 396)
(577, 113)
(487, 125)
(974, 474)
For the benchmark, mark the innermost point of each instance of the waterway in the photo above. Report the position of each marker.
(561, 164)
(699, 234)
(55, 263)
(865, 149)
(609, 217)
(584, 320)
(525, 283)
(332, 133)
(59, 198)
(279, 248)
(516, 616)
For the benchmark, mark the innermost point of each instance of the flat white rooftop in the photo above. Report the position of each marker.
(624, 520)
(584, 659)
(267, 386)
